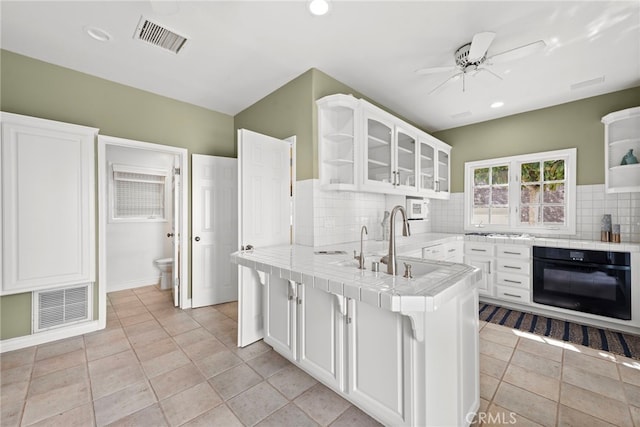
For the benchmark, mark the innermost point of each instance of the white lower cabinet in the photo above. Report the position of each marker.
(379, 348)
(409, 369)
(482, 256)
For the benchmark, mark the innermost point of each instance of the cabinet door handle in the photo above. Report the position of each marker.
(512, 295)
(478, 250)
(451, 250)
(512, 281)
(511, 253)
(512, 267)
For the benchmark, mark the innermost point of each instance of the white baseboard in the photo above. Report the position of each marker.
(48, 336)
(130, 284)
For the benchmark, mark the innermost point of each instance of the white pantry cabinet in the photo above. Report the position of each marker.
(621, 140)
(306, 325)
(48, 219)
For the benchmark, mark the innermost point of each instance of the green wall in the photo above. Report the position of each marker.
(574, 124)
(39, 89)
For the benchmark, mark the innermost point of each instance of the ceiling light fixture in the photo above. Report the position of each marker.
(318, 7)
(497, 104)
(98, 34)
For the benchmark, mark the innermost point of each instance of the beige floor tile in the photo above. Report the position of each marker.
(200, 350)
(11, 413)
(114, 373)
(229, 309)
(539, 384)
(217, 363)
(491, 366)
(488, 386)
(15, 392)
(629, 371)
(569, 417)
(635, 415)
(222, 326)
(536, 364)
(106, 343)
(591, 364)
(81, 416)
(149, 416)
(219, 416)
(175, 381)
(57, 363)
(165, 363)
(155, 349)
(150, 337)
(540, 348)
(256, 403)
(497, 336)
(206, 315)
(59, 379)
(268, 363)
(354, 417)
(497, 351)
(251, 351)
(13, 359)
(57, 348)
(593, 382)
(141, 328)
(175, 325)
(290, 415)
(136, 318)
(48, 404)
(633, 394)
(192, 337)
(123, 403)
(322, 404)
(526, 404)
(595, 404)
(16, 375)
(498, 416)
(190, 403)
(235, 380)
(292, 381)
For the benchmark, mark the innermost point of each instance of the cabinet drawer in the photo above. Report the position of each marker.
(513, 294)
(434, 252)
(512, 251)
(513, 266)
(452, 251)
(517, 280)
(479, 248)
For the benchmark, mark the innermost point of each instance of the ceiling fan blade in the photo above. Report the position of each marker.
(517, 52)
(487, 70)
(434, 70)
(480, 44)
(454, 77)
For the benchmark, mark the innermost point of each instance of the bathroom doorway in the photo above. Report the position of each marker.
(142, 211)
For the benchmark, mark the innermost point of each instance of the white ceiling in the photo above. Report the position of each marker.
(240, 51)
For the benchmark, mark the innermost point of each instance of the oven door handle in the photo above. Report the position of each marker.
(581, 264)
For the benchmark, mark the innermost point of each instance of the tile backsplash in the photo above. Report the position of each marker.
(331, 217)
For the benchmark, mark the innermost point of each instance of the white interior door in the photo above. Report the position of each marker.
(175, 231)
(264, 177)
(215, 229)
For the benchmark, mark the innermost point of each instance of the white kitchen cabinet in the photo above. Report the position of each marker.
(513, 273)
(48, 218)
(448, 251)
(433, 167)
(379, 362)
(306, 325)
(621, 138)
(482, 256)
(337, 146)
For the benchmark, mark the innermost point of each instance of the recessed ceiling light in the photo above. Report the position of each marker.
(98, 34)
(497, 104)
(318, 7)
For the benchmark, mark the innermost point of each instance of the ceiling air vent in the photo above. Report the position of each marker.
(160, 36)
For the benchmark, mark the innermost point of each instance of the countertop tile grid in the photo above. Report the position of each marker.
(528, 378)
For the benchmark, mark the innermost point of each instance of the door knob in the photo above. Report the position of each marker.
(169, 234)
(197, 239)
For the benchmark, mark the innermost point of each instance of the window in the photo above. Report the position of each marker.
(532, 192)
(138, 194)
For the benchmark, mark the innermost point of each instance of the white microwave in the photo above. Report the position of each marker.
(417, 209)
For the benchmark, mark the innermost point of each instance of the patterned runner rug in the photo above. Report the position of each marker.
(601, 339)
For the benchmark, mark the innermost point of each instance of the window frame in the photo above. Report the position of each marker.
(514, 162)
(165, 173)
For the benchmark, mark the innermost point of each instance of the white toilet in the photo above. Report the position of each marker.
(165, 265)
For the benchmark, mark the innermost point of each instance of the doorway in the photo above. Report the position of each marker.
(174, 207)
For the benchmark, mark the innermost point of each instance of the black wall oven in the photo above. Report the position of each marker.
(597, 282)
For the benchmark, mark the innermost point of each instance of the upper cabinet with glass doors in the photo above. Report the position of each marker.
(337, 147)
(433, 167)
(364, 148)
(622, 151)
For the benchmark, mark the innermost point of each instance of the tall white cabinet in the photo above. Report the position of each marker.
(47, 205)
(621, 141)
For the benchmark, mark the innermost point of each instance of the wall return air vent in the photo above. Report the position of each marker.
(158, 35)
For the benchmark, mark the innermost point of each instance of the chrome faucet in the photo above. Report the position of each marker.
(390, 258)
(360, 258)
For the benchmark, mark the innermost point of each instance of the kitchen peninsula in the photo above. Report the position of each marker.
(405, 350)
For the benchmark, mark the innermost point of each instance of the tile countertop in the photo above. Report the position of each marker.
(338, 274)
(555, 242)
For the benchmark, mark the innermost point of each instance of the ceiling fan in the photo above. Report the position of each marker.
(471, 58)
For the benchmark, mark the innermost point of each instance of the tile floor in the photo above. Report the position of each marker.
(158, 366)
